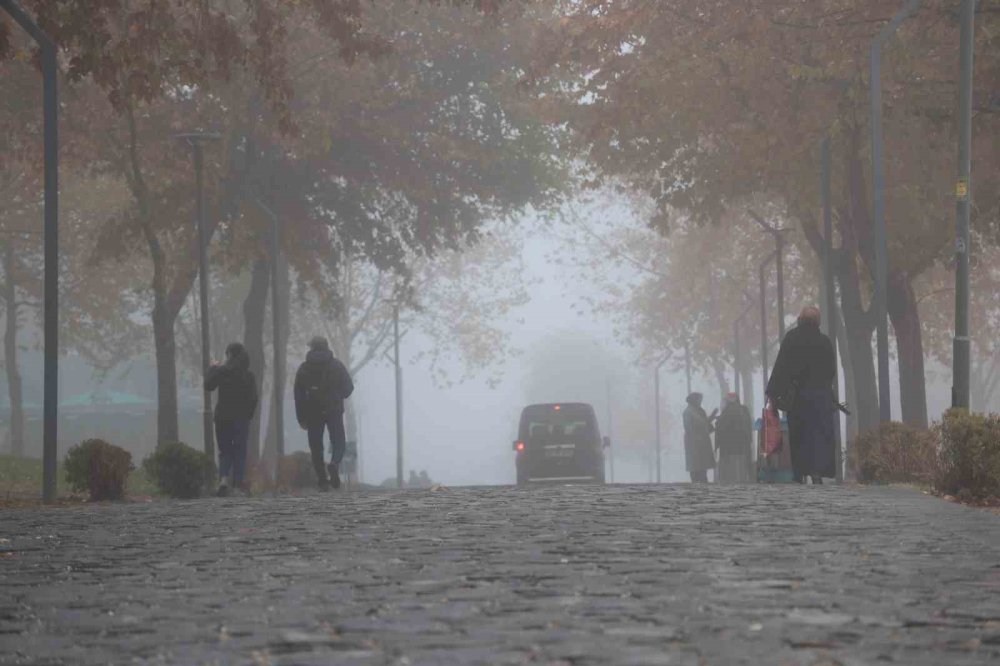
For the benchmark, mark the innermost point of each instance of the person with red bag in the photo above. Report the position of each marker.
(801, 385)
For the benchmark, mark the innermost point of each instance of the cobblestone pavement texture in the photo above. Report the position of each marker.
(560, 575)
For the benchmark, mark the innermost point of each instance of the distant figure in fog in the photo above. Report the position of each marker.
(413, 481)
(233, 412)
(322, 383)
(698, 439)
(425, 480)
(801, 384)
(734, 440)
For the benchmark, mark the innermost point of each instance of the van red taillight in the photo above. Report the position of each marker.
(519, 446)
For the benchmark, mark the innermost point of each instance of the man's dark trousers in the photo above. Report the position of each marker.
(334, 422)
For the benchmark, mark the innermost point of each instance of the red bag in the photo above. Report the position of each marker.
(772, 431)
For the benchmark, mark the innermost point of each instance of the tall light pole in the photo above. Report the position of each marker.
(399, 397)
(878, 207)
(962, 355)
(779, 264)
(50, 119)
(656, 392)
(196, 140)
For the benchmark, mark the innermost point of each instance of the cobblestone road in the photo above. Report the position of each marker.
(563, 575)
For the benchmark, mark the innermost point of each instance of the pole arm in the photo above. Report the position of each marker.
(28, 25)
(893, 25)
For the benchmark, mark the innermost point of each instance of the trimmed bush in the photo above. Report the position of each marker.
(295, 471)
(896, 453)
(180, 471)
(969, 465)
(99, 468)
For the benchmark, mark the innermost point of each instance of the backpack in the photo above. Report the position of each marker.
(317, 388)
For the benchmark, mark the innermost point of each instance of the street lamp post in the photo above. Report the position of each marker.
(961, 355)
(196, 140)
(50, 117)
(656, 392)
(399, 397)
(878, 207)
(779, 264)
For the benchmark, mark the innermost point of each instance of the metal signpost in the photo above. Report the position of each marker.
(961, 356)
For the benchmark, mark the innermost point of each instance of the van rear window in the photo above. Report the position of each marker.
(555, 427)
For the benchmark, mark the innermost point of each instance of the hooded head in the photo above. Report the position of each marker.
(695, 399)
(237, 355)
(319, 343)
(731, 399)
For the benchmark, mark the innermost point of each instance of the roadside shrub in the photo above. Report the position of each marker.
(896, 453)
(99, 468)
(295, 471)
(180, 471)
(969, 465)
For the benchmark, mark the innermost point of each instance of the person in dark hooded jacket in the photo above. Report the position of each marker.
(233, 412)
(322, 383)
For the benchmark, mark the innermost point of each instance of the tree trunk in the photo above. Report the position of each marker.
(858, 332)
(15, 389)
(747, 378)
(850, 394)
(165, 343)
(280, 358)
(254, 310)
(902, 306)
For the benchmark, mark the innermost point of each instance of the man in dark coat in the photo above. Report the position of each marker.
(802, 384)
(233, 413)
(322, 383)
(734, 440)
(698, 452)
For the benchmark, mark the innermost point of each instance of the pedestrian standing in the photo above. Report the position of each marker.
(234, 411)
(801, 384)
(698, 439)
(322, 383)
(734, 439)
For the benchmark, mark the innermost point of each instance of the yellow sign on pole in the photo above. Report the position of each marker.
(962, 189)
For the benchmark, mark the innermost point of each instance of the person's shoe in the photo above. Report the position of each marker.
(334, 475)
(223, 490)
(323, 487)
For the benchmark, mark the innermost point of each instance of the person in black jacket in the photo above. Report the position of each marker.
(322, 383)
(801, 383)
(235, 408)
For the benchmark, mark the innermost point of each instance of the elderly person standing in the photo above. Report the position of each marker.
(698, 439)
(801, 384)
(734, 440)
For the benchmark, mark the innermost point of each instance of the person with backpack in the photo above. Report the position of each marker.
(234, 411)
(322, 383)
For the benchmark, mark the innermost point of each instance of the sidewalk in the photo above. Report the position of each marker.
(563, 575)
